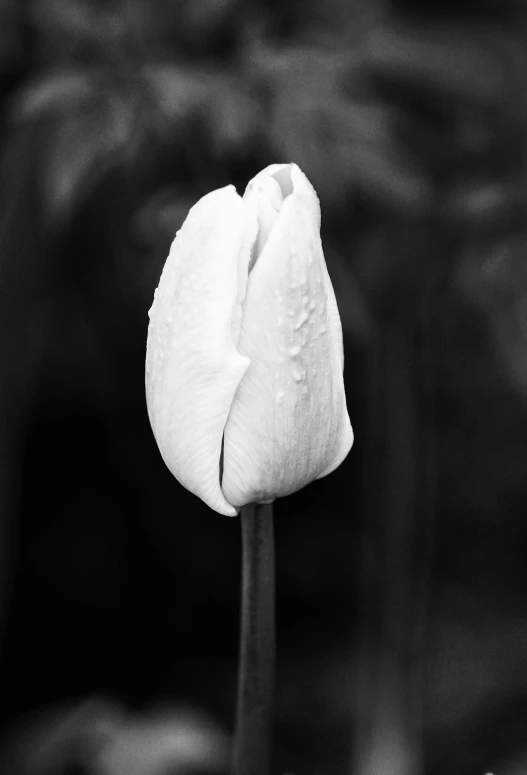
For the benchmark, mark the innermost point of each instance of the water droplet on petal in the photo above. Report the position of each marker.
(293, 351)
(301, 320)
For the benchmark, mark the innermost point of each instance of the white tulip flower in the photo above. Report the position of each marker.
(244, 363)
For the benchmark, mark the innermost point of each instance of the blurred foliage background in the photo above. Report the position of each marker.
(402, 577)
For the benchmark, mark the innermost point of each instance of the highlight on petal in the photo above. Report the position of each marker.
(192, 365)
(335, 335)
(265, 194)
(288, 422)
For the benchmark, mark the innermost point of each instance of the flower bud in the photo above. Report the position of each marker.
(244, 364)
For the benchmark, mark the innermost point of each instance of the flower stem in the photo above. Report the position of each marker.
(252, 737)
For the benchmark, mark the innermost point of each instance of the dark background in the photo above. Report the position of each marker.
(401, 578)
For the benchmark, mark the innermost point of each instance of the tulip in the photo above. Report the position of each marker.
(244, 365)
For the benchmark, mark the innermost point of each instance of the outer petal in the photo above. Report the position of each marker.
(345, 443)
(288, 424)
(192, 365)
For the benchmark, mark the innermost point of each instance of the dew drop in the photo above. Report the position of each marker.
(280, 397)
(301, 320)
(293, 351)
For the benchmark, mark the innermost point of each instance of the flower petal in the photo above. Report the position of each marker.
(288, 423)
(335, 335)
(192, 366)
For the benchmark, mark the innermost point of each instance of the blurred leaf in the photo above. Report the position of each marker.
(496, 280)
(160, 217)
(484, 203)
(55, 739)
(177, 90)
(470, 62)
(98, 736)
(60, 90)
(341, 144)
(493, 276)
(85, 146)
(342, 20)
(387, 174)
(93, 120)
(175, 742)
(205, 16)
(85, 29)
(87, 125)
(228, 107)
(234, 113)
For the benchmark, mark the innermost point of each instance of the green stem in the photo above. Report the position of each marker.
(252, 737)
